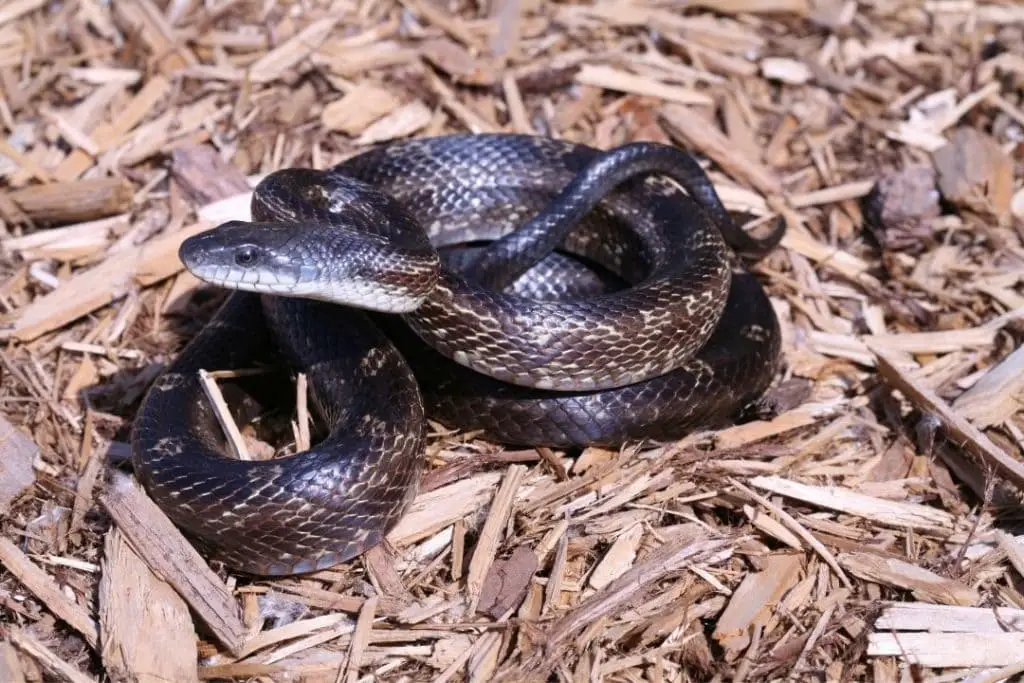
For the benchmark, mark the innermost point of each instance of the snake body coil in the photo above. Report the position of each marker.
(606, 307)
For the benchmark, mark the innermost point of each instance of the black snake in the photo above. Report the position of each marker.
(566, 297)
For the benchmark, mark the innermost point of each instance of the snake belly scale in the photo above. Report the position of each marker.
(607, 305)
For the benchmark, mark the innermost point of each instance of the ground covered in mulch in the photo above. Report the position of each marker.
(865, 530)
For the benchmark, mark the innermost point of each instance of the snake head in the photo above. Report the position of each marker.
(333, 263)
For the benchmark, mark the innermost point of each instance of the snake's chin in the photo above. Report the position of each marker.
(361, 294)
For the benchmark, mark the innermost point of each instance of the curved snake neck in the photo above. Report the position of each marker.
(606, 305)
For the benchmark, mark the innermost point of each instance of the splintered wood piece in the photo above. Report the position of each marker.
(609, 78)
(918, 616)
(400, 122)
(46, 657)
(360, 106)
(87, 479)
(18, 8)
(958, 427)
(11, 669)
(296, 629)
(752, 432)
(43, 587)
(205, 176)
(618, 559)
(926, 585)
(147, 629)
(949, 650)
(273, 64)
(995, 397)
(695, 132)
(669, 559)
(434, 510)
(887, 512)
(458, 63)
(755, 599)
(223, 413)
(166, 551)
(491, 534)
(70, 242)
(360, 638)
(975, 172)
(74, 201)
(17, 456)
(109, 281)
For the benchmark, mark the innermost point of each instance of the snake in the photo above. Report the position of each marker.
(539, 291)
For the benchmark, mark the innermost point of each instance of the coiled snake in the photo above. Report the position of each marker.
(606, 306)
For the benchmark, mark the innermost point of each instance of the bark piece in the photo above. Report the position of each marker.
(74, 201)
(205, 176)
(17, 453)
(507, 582)
(975, 173)
(901, 206)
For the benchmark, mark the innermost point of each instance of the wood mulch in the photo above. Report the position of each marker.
(867, 529)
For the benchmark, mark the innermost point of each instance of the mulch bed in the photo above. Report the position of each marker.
(866, 530)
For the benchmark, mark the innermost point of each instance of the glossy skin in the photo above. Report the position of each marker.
(543, 352)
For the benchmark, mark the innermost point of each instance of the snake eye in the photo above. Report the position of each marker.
(246, 256)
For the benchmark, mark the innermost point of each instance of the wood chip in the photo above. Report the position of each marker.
(146, 627)
(754, 600)
(43, 587)
(695, 133)
(400, 122)
(996, 396)
(75, 201)
(47, 658)
(359, 639)
(491, 534)
(618, 559)
(925, 585)
(959, 428)
(360, 107)
(17, 457)
(975, 172)
(159, 543)
(506, 583)
(609, 78)
(273, 64)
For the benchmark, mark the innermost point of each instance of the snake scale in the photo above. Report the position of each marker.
(545, 292)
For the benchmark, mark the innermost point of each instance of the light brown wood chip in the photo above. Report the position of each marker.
(148, 636)
(959, 428)
(165, 550)
(50, 660)
(926, 585)
(694, 132)
(996, 396)
(107, 282)
(755, 600)
(43, 587)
